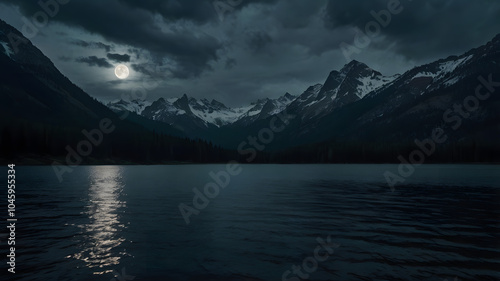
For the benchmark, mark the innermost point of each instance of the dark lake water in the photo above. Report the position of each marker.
(325, 222)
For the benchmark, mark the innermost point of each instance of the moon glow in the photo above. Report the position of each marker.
(121, 71)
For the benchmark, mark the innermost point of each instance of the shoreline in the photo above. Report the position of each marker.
(48, 161)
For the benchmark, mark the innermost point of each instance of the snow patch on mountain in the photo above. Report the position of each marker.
(171, 109)
(450, 66)
(264, 108)
(214, 112)
(311, 92)
(370, 84)
(452, 81)
(444, 68)
(281, 103)
(204, 111)
(253, 111)
(7, 50)
(136, 106)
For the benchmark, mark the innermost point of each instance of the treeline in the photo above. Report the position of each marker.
(127, 143)
(463, 151)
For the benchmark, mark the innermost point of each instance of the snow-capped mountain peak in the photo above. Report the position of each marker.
(351, 83)
(264, 108)
(136, 106)
(203, 111)
(213, 112)
(357, 80)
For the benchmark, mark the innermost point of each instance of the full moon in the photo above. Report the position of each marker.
(121, 71)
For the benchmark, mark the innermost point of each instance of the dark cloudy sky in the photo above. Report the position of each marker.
(250, 50)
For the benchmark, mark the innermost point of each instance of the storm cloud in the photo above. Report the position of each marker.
(96, 45)
(95, 61)
(123, 23)
(118, 57)
(423, 28)
(238, 51)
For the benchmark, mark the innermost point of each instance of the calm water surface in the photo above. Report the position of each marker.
(103, 222)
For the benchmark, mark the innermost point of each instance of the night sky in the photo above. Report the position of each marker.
(239, 50)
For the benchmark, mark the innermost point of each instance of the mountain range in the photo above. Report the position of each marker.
(354, 104)
(353, 82)
(357, 114)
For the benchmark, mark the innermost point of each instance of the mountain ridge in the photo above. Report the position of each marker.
(374, 100)
(210, 112)
(355, 109)
(263, 108)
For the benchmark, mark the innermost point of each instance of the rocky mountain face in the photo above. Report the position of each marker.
(441, 94)
(352, 83)
(136, 106)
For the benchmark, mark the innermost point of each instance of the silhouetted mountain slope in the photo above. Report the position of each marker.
(43, 115)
